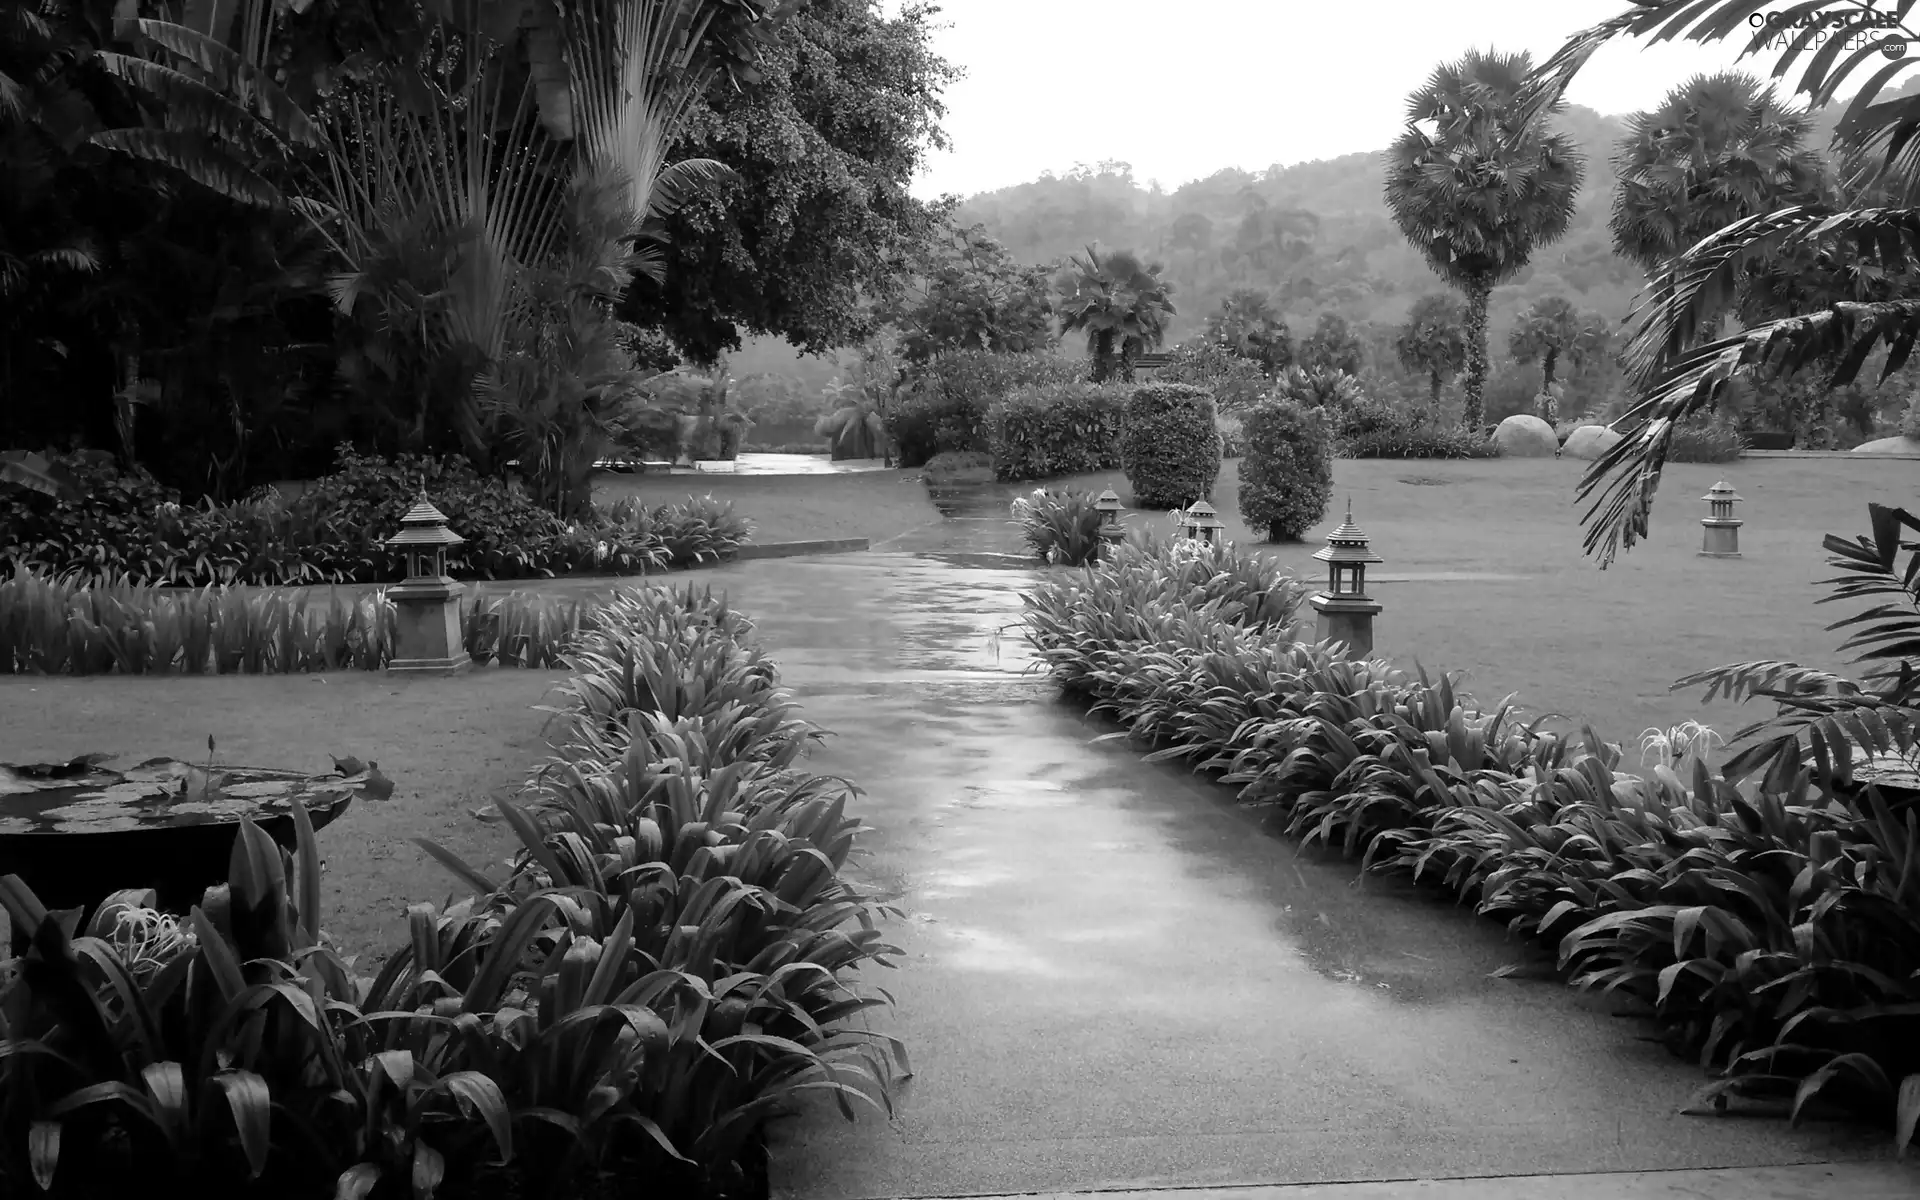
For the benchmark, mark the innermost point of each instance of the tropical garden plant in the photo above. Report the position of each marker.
(1120, 303)
(1552, 329)
(1286, 479)
(1170, 444)
(1061, 526)
(1433, 342)
(1477, 183)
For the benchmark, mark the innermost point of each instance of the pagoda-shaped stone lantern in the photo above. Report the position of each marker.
(1202, 523)
(1109, 507)
(1346, 611)
(1721, 532)
(426, 633)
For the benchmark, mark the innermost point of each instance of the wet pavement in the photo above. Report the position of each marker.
(1112, 979)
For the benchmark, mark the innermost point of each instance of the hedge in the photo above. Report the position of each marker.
(1056, 429)
(1170, 448)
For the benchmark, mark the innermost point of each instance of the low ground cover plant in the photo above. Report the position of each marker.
(664, 966)
(128, 527)
(1061, 526)
(1765, 915)
(74, 627)
(1376, 429)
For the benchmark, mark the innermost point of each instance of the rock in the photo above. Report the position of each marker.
(1524, 436)
(1892, 445)
(1590, 442)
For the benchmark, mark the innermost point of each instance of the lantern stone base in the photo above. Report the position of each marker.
(1346, 619)
(1720, 539)
(426, 628)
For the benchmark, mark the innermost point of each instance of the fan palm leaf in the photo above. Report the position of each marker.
(1878, 142)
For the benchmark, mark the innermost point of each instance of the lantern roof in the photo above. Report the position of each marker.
(1202, 514)
(1347, 544)
(1108, 501)
(1723, 491)
(424, 525)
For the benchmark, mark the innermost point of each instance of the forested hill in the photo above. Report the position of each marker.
(1317, 235)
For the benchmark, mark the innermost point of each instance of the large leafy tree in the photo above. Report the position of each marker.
(1120, 303)
(1333, 346)
(1247, 324)
(970, 294)
(1433, 342)
(1719, 148)
(1477, 183)
(1551, 329)
(816, 233)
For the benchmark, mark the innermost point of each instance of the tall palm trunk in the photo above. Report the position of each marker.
(1471, 408)
(1547, 364)
(1434, 383)
(1102, 355)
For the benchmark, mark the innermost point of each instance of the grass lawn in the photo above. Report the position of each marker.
(450, 746)
(876, 505)
(1599, 646)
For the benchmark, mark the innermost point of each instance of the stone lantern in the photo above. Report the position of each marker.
(1721, 536)
(1346, 611)
(1109, 507)
(426, 633)
(1202, 523)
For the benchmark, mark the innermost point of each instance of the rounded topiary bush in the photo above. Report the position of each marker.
(1286, 478)
(1170, 448)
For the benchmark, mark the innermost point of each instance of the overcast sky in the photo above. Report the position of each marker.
(1183, 88)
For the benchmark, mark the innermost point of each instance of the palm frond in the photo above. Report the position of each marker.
(1628, 475)
(229, 72)
(680, 182)
(198, 157)
(188, 105)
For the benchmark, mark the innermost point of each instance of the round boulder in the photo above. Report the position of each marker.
(1892, 445)
(1589, 442)
(1524, 436)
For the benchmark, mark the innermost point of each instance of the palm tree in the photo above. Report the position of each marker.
(1719, 148)
(1552, 327)
(1121, 305)
(479, 166)
(1476, 183)
(1434, 342)
(1878, 207)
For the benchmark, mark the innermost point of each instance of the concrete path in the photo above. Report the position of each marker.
(1112, 980)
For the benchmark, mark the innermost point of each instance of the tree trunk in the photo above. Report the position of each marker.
(1102, 355)
(1546, 367)
(1471, 407)
(1434, 383)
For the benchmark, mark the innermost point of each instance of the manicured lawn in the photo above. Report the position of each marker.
(875, 505)
(449, 745)
(1600, 647)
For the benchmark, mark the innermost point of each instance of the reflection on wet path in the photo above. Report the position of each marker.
(1111, 977)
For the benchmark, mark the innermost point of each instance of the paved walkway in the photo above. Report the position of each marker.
(1111, 980)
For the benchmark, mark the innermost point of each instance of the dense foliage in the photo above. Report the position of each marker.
(1169, 446)
(1286, 478)
(1040, 432)
(663, 964)
(128, 527)
(971, 295)
(1061, 526)
(1121, 304)
(1372, 429)
(944, 407)
(1761, 918)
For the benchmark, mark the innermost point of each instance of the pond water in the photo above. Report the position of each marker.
(86, 797)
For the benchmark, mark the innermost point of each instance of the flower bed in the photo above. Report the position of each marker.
(664, 964)
(1769, 928)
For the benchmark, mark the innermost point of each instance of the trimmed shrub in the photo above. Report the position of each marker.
(1061, 526)
(1375, 429)
(1056, 429)
(1910, 421)
(1170, 448)
(946, 405)
(958, 466)
(1715, 440)
(1287, 478)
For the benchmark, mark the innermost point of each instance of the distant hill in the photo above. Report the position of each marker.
(1316, 234)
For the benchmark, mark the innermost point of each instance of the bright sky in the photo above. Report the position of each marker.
(1183, 88)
